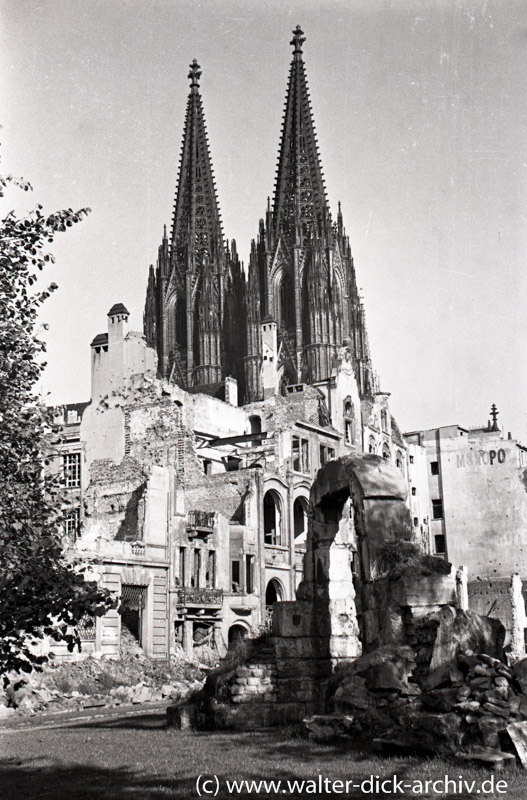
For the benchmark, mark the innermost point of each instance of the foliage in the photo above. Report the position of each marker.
(41, 592)
(397, 556)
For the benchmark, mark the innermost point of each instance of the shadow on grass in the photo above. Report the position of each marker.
(34, 780)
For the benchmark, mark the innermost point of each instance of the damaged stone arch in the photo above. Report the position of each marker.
(358, 506)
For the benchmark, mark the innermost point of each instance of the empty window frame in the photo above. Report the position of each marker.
(210, 573)
(196, 569)
(326, 454)
(300, 454)
(272, 518)
(181, 566)
(249, 574)
(235, 576)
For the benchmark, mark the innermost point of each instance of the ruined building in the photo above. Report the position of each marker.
(191, 465)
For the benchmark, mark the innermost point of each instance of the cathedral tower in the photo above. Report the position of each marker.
(186, 295)
(301, 274)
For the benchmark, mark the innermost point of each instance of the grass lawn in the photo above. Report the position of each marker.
(137, 757)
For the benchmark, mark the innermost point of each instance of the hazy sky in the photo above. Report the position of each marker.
(421, 112)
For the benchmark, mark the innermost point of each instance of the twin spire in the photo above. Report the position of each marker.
(203, 315)
(300, 209)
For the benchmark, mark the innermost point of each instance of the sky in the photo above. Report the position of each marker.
(421, 112)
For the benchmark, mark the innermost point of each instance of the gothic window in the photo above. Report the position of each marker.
(386, 452)
(371, 445)
(384, 420)
(286, 310)
(399, 459)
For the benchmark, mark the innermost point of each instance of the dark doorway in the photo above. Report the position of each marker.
(237, 634)
(132, 609)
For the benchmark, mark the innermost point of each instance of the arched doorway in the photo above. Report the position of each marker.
(236, 635)
(272, 518)
(274, 593)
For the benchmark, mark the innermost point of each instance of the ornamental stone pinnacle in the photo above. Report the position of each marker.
(298, 40)
(194, 75)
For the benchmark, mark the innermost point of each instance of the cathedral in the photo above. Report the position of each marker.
(282, 322)
(189, 468)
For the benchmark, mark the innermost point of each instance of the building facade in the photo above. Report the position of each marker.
(189, 469)
(471, 486)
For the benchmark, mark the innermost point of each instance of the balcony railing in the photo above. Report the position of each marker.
(189, 596)
(201, 521)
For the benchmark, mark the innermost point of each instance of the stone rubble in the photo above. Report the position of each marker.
(92, 683)
(470, 711)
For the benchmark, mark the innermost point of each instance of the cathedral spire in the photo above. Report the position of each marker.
(300, 208)
(196, 228)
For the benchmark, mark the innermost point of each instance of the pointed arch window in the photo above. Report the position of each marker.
(286, 302)
(349, 421)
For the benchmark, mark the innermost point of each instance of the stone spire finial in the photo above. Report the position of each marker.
(194, 75)
(298, 40)
(494, 414)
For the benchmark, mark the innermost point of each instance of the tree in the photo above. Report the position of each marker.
(42, 592)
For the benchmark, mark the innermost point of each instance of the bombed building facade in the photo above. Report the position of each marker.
(190, 467)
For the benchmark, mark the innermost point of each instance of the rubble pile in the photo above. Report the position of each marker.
(434, 697)
(93, 682)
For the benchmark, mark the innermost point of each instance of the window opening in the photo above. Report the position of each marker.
(210, 574)
(300, 454)
(437, 509)
(235, 576)
(72, 470)
(249, 574)
(181, 566)
(272, 519)
(195, 580)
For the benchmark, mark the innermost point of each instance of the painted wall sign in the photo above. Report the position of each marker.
(479, 457)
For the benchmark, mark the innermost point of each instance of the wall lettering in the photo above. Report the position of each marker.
(479, 457)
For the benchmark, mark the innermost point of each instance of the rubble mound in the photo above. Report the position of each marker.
(132, 678)
(437, 696)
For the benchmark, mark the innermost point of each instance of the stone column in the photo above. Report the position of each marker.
(518, 618)
(188, 637)
(462, 588)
